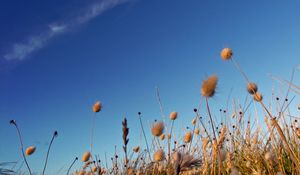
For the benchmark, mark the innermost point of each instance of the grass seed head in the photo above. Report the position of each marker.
(173, 115)
(252, 88)
(209, 86)
(226, 54)
(162, 137)
(136, 149)
(30, 150)
(187, 137)
(194, 121)
(257, 96)
(97, 106)
(197, 131)
(159, 155)
(86, 156)
(158, 129)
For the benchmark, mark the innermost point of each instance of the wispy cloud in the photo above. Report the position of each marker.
(22, 50)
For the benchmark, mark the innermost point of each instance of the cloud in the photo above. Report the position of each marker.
(22, 50)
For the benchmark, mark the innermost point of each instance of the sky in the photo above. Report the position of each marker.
(57, 58)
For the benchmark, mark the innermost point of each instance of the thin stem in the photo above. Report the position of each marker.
(72, 165)
(54, 135)
(92, 132)
(21, 144)
(211, 121)
(144, 136)
(169, 142)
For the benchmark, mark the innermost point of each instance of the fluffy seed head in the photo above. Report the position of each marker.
(158, 129)
(30, 150)
(257, 97)
(173, 115)
(209, 86)
(86, 156)
(187, 137)
(97, 106)
(252, 88)
(226, 54)
(159, 155)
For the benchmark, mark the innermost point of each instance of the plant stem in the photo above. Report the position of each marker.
(145, 137)
(72, 165)
(54, 135)
(21, 144)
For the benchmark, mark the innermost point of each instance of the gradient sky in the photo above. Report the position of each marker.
(58, 57)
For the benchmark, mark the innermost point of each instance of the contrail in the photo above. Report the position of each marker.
(22, 50)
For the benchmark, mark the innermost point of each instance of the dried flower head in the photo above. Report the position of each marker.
(257, 97)
(86, 156)
(209, 86)
(226, 54)
(252, 88)
(97, 106)
(169, 136)
(30, 150)
(187, 137)
(159, 155)
(136, 149)
(158, 129)
(173, 115)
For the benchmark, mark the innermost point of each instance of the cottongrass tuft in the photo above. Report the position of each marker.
(252, 88)
(97, 106)
(86, 156)
(226, 54)
(159, 155)
(209, 86)
(158, 129)
(30, 150)
(173, 115)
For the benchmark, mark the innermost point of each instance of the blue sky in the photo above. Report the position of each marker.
(58, 57)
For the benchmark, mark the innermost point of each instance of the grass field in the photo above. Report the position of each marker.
(236, 145)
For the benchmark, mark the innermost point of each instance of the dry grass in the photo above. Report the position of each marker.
(237, 146)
